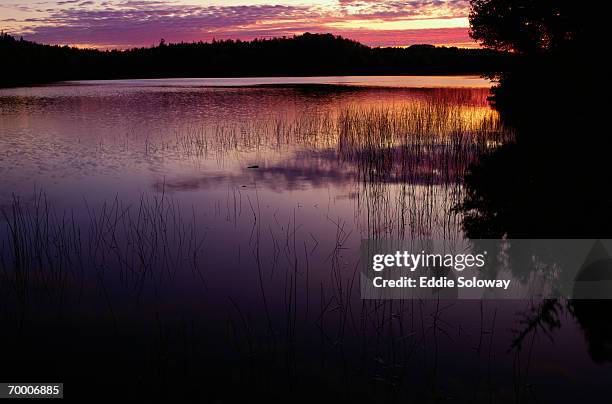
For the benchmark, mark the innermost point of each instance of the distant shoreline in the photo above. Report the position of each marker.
(480, 80)
(396, 81)
(339, 83)
(308, 55)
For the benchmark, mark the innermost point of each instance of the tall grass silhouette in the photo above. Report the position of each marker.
(407, 162)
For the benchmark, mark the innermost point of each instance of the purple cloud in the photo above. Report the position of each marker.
(137, 23)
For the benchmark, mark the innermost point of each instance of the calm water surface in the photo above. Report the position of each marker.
(243, 202)
(361, 81)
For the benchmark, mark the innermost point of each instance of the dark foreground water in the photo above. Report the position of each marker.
(199, 238)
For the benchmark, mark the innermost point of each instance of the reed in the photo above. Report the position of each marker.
(406, 162)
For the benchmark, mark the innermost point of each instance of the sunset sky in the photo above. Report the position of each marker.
(128, 23)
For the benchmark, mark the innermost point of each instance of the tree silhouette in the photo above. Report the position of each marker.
(529, 26)
(27, 62)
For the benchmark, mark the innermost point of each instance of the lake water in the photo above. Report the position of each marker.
(145, 218)
(359, 81)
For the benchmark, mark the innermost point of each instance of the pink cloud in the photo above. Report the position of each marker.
(142, 23)
(435, 36)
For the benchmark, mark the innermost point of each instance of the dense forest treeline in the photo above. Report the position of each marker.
(548, 182)
(557, 43)
(26, 62)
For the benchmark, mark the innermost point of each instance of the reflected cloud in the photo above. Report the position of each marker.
(313, 169)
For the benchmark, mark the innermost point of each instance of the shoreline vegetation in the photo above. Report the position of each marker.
(30, 63)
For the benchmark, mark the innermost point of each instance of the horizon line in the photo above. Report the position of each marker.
(127, 47)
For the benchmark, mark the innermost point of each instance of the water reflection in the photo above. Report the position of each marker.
(547, 183)
(148, 230)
